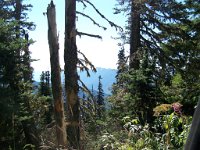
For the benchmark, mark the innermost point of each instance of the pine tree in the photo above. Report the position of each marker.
(121, 66)
(27, 124)
(182, 47)
(6, 92)
(135, 41)
(100, 99)
(152, 24)
(15, 69)
(148, 23)
(44, 88)
(147, 19)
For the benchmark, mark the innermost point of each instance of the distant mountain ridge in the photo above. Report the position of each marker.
(108, 78)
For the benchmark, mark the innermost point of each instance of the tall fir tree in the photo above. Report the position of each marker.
(181, 45)
(122, 66)
(100, 99)
(148, 23)
(44, 88)
(146, 20)
(16, 72)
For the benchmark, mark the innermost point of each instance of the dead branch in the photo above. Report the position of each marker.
(112, 24)
(87, 34)
(90, 18)
(85, 88)
(81, 1)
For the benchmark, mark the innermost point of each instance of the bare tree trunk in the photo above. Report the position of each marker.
(71, 76)
(135, 35)
(193, 139)
(55, 76)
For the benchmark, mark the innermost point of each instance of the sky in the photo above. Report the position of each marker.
(102, 53)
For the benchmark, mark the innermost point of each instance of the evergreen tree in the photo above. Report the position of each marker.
(148, 23)
(100, 99)
(6, 92)
(16, 73)
(121, 66)
(147, 19)
(182, 47)
(44, 88)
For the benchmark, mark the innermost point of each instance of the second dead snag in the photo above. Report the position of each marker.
(71, 76)
(55, 76)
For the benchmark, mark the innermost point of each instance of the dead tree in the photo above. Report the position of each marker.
(71, 76)
(71, 61)
(55, 76)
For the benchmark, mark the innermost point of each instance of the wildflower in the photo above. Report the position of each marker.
(177, 107)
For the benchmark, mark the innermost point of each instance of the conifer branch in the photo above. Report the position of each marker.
(87, 34)
(160, 53)
(80, 13)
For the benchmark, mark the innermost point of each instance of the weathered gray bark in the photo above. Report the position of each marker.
(71, 76)
(55, 76)
(193, 139)
(135, 35)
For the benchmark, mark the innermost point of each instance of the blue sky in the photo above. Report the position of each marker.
(102, 53)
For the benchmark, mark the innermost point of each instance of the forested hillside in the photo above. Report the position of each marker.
(108, 76)
(153, 99)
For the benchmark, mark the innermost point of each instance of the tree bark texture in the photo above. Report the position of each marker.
(71, 76)
(135, 35)
(193, 139)
(55, 76)
(27, 62)
(18, 11)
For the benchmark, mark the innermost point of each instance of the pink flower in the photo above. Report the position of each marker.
(177, 107)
